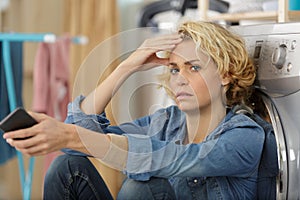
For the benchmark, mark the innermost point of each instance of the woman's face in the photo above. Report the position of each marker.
(194, 80)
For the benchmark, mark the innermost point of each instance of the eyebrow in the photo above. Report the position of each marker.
(186, 63)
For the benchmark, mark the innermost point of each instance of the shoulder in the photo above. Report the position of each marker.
(243, 116)
(243, 133)
(233, 121)
(238, 128)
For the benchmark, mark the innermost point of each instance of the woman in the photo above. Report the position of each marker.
(201, 148)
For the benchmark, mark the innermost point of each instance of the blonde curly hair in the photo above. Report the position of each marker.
(229, 53)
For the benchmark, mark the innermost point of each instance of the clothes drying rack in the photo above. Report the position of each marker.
(6, 38)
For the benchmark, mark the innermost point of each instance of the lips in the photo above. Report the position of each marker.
(182, 95)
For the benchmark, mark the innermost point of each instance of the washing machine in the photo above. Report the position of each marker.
(275, 49)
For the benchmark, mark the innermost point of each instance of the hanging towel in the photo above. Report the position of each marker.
(16, 53)
(51, 74)
(51, 91)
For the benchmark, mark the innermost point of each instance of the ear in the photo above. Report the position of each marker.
(225, 79)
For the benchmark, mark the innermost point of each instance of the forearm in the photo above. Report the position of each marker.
(98, 99)
(86, 141)
(110, 148)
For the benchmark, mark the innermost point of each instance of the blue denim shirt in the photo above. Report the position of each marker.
(223, 166)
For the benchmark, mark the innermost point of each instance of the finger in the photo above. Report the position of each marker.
(29, 147)
(20, 134)
(174, 36)
(163, 40)
(21, 143)
(155, 59)
(38, 116)
(159, 48)
(163, 54)
(161, 44)
(10, 141)
(37, 150)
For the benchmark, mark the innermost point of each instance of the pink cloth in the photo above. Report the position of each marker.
(51, 90)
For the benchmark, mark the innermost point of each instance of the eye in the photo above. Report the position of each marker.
(174, 71)
(195, 68)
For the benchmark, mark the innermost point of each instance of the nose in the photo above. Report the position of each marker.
(181, 79)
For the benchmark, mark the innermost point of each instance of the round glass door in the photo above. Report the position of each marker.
(282, 179)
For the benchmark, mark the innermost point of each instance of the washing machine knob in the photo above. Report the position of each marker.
(279, 56)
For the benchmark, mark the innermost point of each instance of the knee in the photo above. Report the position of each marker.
(63, 165)
(55, 167)
(155, 188)
(69, 174)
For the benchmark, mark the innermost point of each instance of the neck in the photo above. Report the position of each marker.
(203, 122)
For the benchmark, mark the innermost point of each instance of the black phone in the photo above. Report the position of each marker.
(17, 119)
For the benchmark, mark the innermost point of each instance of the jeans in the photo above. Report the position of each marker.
(155, 188)
(75, 177)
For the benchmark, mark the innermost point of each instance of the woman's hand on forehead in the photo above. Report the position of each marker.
(147, 56)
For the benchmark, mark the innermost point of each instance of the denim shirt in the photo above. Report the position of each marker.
(223, 166)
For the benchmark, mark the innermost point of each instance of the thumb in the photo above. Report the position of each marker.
(38, 116)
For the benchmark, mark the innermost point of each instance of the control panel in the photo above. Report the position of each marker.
(277, 58)
(275, 49)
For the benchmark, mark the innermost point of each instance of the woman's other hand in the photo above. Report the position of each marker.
(145, 58)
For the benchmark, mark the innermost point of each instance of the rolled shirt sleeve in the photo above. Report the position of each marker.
(95, 122)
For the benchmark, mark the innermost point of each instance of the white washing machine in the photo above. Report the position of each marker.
(275, 49)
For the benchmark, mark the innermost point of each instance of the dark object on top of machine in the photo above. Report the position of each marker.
(150, 10)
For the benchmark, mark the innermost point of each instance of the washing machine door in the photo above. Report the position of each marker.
(284, 175)
(288, 112)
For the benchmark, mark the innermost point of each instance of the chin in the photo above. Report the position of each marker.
(187, 107)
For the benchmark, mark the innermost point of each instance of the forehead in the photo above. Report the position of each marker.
(187, 50)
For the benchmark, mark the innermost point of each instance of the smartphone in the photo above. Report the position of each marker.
(17, 119)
